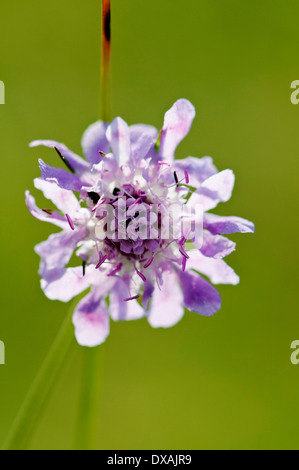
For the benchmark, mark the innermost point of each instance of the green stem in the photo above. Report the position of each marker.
(105, 60)
(87, 426)
(34, 403)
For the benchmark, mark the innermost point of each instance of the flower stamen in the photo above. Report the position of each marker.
(149, 262)
(132, 298)
(102, 260)
(70, 222)
(115, 270)
(65, 161)
(142, 276)
(99, 203)
(187, 177)
(184, 252)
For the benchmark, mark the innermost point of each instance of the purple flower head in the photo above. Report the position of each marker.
(139, 224)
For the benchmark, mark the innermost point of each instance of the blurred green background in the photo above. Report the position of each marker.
(224, 382)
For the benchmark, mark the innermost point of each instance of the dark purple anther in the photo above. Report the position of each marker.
(132, 298)
(184, 252)
(70, 221)
(149, 262)
(142, 276)
(101, 201)
(115, 270)
(182, 241)
(187, 177)
(102, 260)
